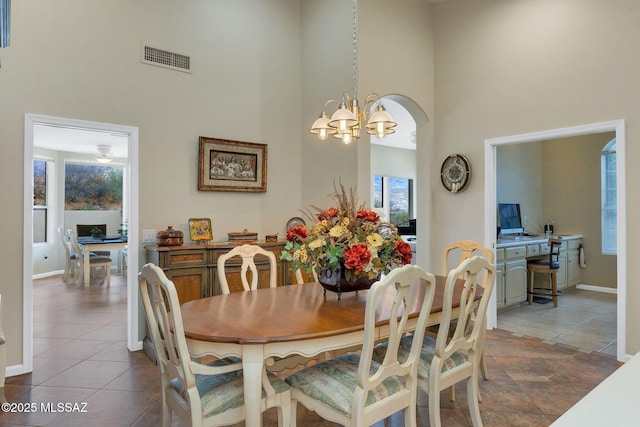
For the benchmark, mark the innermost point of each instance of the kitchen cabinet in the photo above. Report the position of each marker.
(511, 267)
(515, 274)
(511, 275)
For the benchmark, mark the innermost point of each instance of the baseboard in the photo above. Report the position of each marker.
(47, 274)
(15, 370)
(597, 289)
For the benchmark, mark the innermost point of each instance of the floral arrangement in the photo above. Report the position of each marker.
(347, 236)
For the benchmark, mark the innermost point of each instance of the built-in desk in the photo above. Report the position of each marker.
(511, 265)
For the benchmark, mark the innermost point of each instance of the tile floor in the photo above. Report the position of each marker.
(584, 319)
(81, 356)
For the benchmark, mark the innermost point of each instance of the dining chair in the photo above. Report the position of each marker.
(202, 394)
(355, 390)
(453, 357)
(463, 250)
(248, 254)
(97, 261)
(545, 265)
(70, 270)
(300, 278)
(3, 358)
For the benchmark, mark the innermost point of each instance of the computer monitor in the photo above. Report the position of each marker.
(510, 219)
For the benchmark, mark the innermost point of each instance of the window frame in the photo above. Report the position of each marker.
(608, 199)
(48, 176)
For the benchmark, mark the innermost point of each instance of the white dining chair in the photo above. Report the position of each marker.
(202, 395)
(95, 261)
(454, 357)
(71, 258)
(463, 250)
(354, 390)
(247, 253)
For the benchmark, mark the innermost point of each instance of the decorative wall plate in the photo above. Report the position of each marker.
(295, 221)
(455, 173)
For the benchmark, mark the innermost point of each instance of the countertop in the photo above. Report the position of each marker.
(532, 240)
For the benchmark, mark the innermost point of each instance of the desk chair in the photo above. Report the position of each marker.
(548, 265)
(455, 356)
(95, 260)
(355, 390)
(202, 395)
(3, 358)
(248, 254)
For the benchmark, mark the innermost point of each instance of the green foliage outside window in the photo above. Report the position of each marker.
(90, 187)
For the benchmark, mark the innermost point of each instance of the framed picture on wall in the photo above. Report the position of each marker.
(226, 165)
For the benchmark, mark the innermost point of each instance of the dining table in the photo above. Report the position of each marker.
(90, 244)
(269, 323)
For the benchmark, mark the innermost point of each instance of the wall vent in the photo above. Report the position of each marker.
(166, 59)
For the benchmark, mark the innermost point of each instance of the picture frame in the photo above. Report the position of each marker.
(226, 165)
(200, 230)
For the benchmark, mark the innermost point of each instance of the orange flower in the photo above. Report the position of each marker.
(404, 250)
(368, 216)
(299, 232)
(356, 257)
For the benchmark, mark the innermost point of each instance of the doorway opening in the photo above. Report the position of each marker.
(130, 212)
(618, 127)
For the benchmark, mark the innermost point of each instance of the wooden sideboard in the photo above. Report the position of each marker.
(194, 268)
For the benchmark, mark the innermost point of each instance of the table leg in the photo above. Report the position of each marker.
(252, 366)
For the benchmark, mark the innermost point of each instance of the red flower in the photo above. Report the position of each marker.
(404, 250)
(328, 213)
(356, 257)
(299, 232)
(368, 216)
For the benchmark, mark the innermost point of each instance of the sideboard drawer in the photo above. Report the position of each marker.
(186, 258)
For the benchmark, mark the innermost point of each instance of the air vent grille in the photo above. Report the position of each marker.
(166, 59)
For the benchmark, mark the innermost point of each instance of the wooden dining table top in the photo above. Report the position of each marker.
(290, 313)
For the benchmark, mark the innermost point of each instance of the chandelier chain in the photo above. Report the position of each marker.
(355, 49)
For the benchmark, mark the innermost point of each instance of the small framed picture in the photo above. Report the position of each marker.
(200, 229)
(226, 165)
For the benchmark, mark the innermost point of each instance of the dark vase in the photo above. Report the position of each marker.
(334, 280)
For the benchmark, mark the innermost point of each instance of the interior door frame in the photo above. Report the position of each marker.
(617, 126)
(31, 120)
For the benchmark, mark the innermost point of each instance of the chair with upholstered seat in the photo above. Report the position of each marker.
(203, 395)
(247, 253)
(355, 390)
(545, 265)
(95, 261)
(463, 250)
(454, 357)
(3, 358)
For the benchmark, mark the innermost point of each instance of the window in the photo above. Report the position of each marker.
(40, 197)
(609, 198)
(91, 187)
(395, 197)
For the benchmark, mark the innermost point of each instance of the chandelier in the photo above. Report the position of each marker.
(346, 122)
